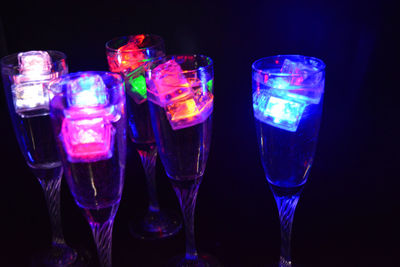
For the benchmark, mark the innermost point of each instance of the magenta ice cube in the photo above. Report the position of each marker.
(87, 139)
(168, 84)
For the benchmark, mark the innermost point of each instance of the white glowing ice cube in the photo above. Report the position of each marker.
(87, 91)
(30, 96)
(276, 111)
(34, 63)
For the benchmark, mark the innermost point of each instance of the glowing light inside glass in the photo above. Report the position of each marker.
(168, 84)
(129, 56)
(30, 96)
(278, 112)
(210, 85)
(30, 88)
(34, 63)
(191, 111)
(87, 140)
(88, 90)
(138, 88)
(185, 102)
(283, 94)
(87, 132)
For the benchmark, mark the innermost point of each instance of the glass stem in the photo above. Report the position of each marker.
(148, 158)
(286, 207)
(187, 195)
(102, 234)
(51, 188)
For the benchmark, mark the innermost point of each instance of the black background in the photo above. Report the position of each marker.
(348, 212)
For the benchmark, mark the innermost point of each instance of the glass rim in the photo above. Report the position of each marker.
(159, 42)
(10, 56)
(114, 82)
(321, 64)
(208, 66)
(72, 75)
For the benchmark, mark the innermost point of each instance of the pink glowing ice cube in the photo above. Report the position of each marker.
(87, 139)
(168, 84)
(34, 62)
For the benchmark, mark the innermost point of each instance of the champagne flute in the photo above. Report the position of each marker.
(131, 56)
(180, 94)
(89, 121)
(26, 79)
(287, 101)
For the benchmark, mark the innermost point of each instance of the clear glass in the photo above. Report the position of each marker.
(180, 94)
(131, 56)
(26, 78)
(89, 119)
(287, 101)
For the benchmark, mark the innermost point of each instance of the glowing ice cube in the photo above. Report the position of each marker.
(306, 80)
(87, 140)
(87, 91)
(30, 96)
(168, 84)
(190, 111)
(34, 63)
(136, 88)
(278, 112)
(128, 57)
(278, 83)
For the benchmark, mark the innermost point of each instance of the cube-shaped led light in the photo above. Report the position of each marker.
(278, 112)
(87, 140)
(30, 88)
(87, 91)
(136, 87)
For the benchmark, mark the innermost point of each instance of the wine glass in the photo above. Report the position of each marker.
(131, 56)
(88, 118)
(26, 79)
(287, 101)
(180, 93)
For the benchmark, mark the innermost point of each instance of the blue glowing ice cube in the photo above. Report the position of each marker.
(305, 81)
(276, 111)
(87, 91)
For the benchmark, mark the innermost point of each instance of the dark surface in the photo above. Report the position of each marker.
(348, 212)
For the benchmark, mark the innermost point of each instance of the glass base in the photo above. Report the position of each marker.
(57, 255)
(61, 255)
(156, 225)
(203, 260)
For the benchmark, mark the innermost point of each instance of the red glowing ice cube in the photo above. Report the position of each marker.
(127, 58)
